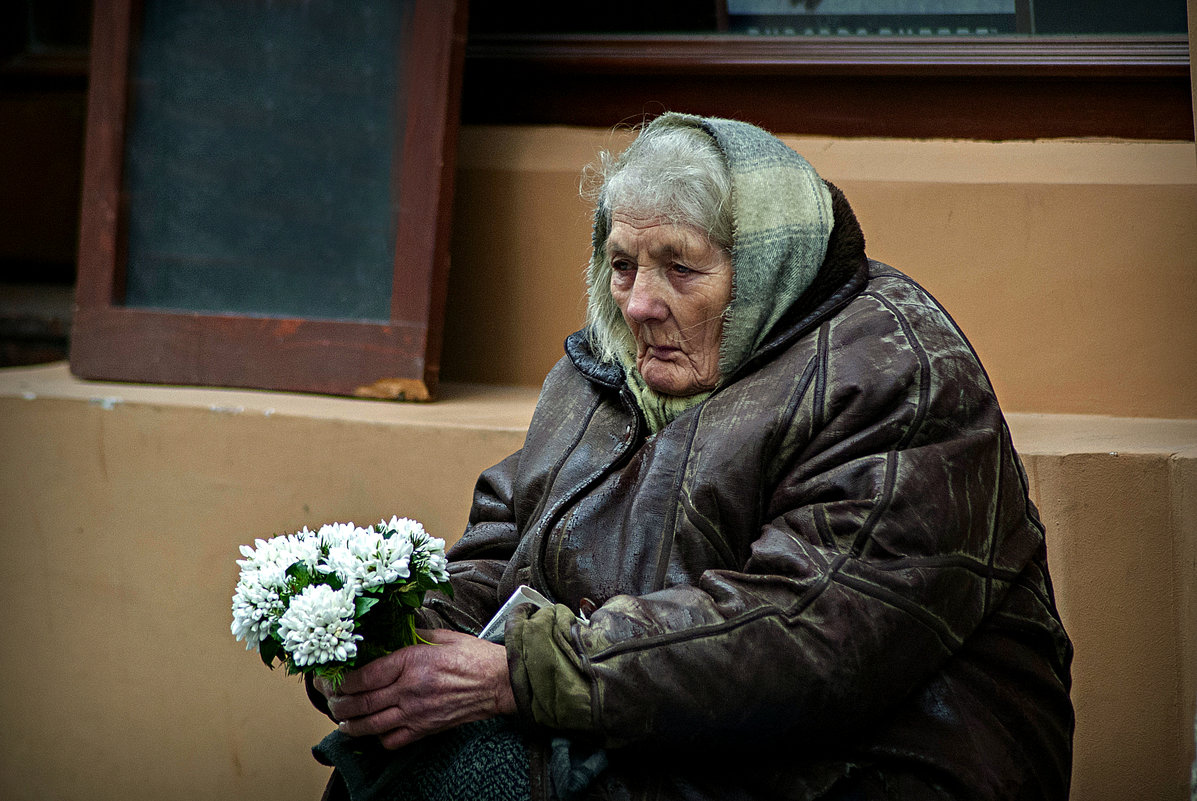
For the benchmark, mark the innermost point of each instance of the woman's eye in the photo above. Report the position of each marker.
(621, 266)
(682, 269)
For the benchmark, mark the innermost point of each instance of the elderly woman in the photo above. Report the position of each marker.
(775, 502)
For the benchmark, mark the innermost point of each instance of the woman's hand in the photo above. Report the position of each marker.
(423, 689)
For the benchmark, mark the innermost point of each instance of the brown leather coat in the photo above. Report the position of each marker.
(828, 569)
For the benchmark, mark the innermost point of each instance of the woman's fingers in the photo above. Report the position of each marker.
(347, 707)
(376, 674)
(423, 689)
(385, 671)
(379, 723)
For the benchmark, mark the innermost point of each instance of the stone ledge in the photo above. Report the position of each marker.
(1060, 434)
(509, 409)
(479, 406)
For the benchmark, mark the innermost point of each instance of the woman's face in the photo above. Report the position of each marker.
(672, 285)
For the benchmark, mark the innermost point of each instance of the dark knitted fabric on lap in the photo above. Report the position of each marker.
(483, 761)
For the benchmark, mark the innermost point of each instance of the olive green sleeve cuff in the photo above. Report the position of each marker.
(551, 685)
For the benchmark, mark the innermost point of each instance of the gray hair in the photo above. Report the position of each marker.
(675, 172)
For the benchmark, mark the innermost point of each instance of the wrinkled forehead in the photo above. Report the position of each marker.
(631, 231)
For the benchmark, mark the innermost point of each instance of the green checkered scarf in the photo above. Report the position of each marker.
(782, 219)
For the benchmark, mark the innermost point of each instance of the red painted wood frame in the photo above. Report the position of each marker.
(398, 358)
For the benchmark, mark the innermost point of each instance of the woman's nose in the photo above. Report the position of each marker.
(646, 303)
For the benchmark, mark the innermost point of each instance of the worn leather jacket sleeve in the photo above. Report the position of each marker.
(898, 523)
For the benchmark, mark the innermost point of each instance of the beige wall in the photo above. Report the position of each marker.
(123, 507)
(1070, 265)
(1117, 497)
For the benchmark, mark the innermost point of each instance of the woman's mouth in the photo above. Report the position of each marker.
(662, 352)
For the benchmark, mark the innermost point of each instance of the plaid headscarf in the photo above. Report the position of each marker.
(782, 219)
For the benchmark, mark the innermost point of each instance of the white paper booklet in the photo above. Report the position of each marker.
(522, 595)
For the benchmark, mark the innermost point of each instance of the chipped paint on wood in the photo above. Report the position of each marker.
(407, 389)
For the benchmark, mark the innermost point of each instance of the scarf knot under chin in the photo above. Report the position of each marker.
(659, 409)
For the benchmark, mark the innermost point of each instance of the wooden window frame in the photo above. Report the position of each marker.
(396, 358)
(998, 87)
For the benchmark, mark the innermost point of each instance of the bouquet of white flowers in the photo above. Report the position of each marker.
(327, 601)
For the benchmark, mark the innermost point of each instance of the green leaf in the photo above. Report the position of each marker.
(413, 599)
(269, 649)
(302, 577)
(364, 604)
(334, 675)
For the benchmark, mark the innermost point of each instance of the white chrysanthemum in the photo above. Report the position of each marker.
(258, 555)
(317, 627)
(307, 547)
(257, 601)
(438, 563)
(429, 557)
(428, 552)
(263, 586)
(405, 526)
(271, 558)
(369, 559)
(256, 610)
(334, 534)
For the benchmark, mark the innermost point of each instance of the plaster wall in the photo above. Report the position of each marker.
(1069, 264)
(123, 507)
